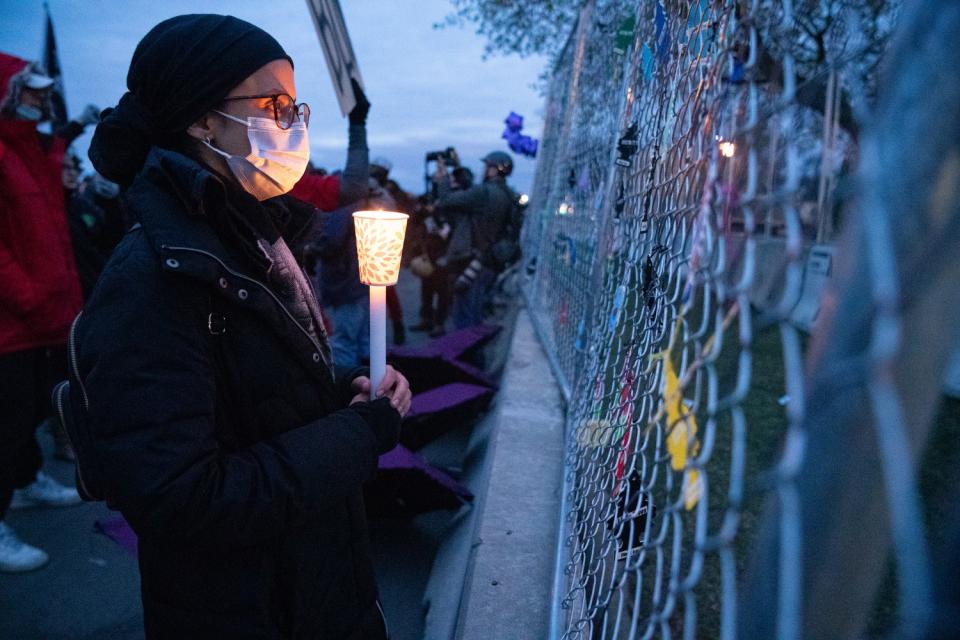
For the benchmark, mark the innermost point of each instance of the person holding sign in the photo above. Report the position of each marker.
(201, 381)
(330, 192)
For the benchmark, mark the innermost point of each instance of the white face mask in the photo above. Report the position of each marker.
(277, 159)
(28, 112)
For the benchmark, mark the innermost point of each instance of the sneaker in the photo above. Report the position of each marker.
(424, 325)
(16, 555)
(45, 491)
(438, 331)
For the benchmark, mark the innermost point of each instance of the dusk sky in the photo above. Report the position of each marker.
(430, 88)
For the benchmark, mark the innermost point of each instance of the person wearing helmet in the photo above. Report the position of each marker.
(479, 216)
(500, 161)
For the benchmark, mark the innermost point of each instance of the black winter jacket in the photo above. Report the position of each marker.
(221, 434)
(479, 216)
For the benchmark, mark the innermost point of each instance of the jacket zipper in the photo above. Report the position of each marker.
(312, 340)
(72, 348)
(383, 616)
(58, 393)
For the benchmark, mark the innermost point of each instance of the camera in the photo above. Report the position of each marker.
(465, 279)
(450, 159)
(448, 155)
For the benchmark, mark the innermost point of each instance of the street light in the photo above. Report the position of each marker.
(379, 245)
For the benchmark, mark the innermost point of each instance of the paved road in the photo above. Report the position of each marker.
(90, 589)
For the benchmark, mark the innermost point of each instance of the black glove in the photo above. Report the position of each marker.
(358, 115)
(90, 115)
(383, 420)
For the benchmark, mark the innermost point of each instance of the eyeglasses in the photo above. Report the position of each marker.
(285, 110)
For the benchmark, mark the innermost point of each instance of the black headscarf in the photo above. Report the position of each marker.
(180, 70)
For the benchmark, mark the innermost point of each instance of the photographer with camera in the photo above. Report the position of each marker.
(480, 217)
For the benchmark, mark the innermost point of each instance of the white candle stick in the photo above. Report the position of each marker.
(379, 245)
(378, 337)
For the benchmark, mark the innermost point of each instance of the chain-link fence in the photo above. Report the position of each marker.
(694, 172)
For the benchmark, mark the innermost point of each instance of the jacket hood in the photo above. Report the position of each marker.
(9, 67)
(12, 78)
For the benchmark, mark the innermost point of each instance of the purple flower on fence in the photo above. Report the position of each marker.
(519, 143)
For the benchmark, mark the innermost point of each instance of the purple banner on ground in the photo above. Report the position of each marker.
(118, 530)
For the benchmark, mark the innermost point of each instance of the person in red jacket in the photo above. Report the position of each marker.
(39, 297)
(331, 192)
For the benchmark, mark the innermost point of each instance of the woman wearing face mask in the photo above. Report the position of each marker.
(202, 375)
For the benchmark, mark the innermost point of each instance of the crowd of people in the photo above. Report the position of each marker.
(451, 247)
(198, 288)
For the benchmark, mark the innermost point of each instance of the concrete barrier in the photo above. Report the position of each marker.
(509, 572)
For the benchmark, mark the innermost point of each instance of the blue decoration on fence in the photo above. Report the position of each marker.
(581, 342)
(598, 197)
(566, 249)
(646, 61)
(618, 299)
(663, 33)
(698, 25)
(583, 180)
(519, 143)
(738, 73)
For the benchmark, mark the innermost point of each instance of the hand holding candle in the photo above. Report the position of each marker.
(379, 245)
(394, 386)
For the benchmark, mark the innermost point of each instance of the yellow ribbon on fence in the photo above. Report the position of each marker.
(681, 423)
(682, 434)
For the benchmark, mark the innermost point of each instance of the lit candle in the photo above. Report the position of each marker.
(379, 245)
